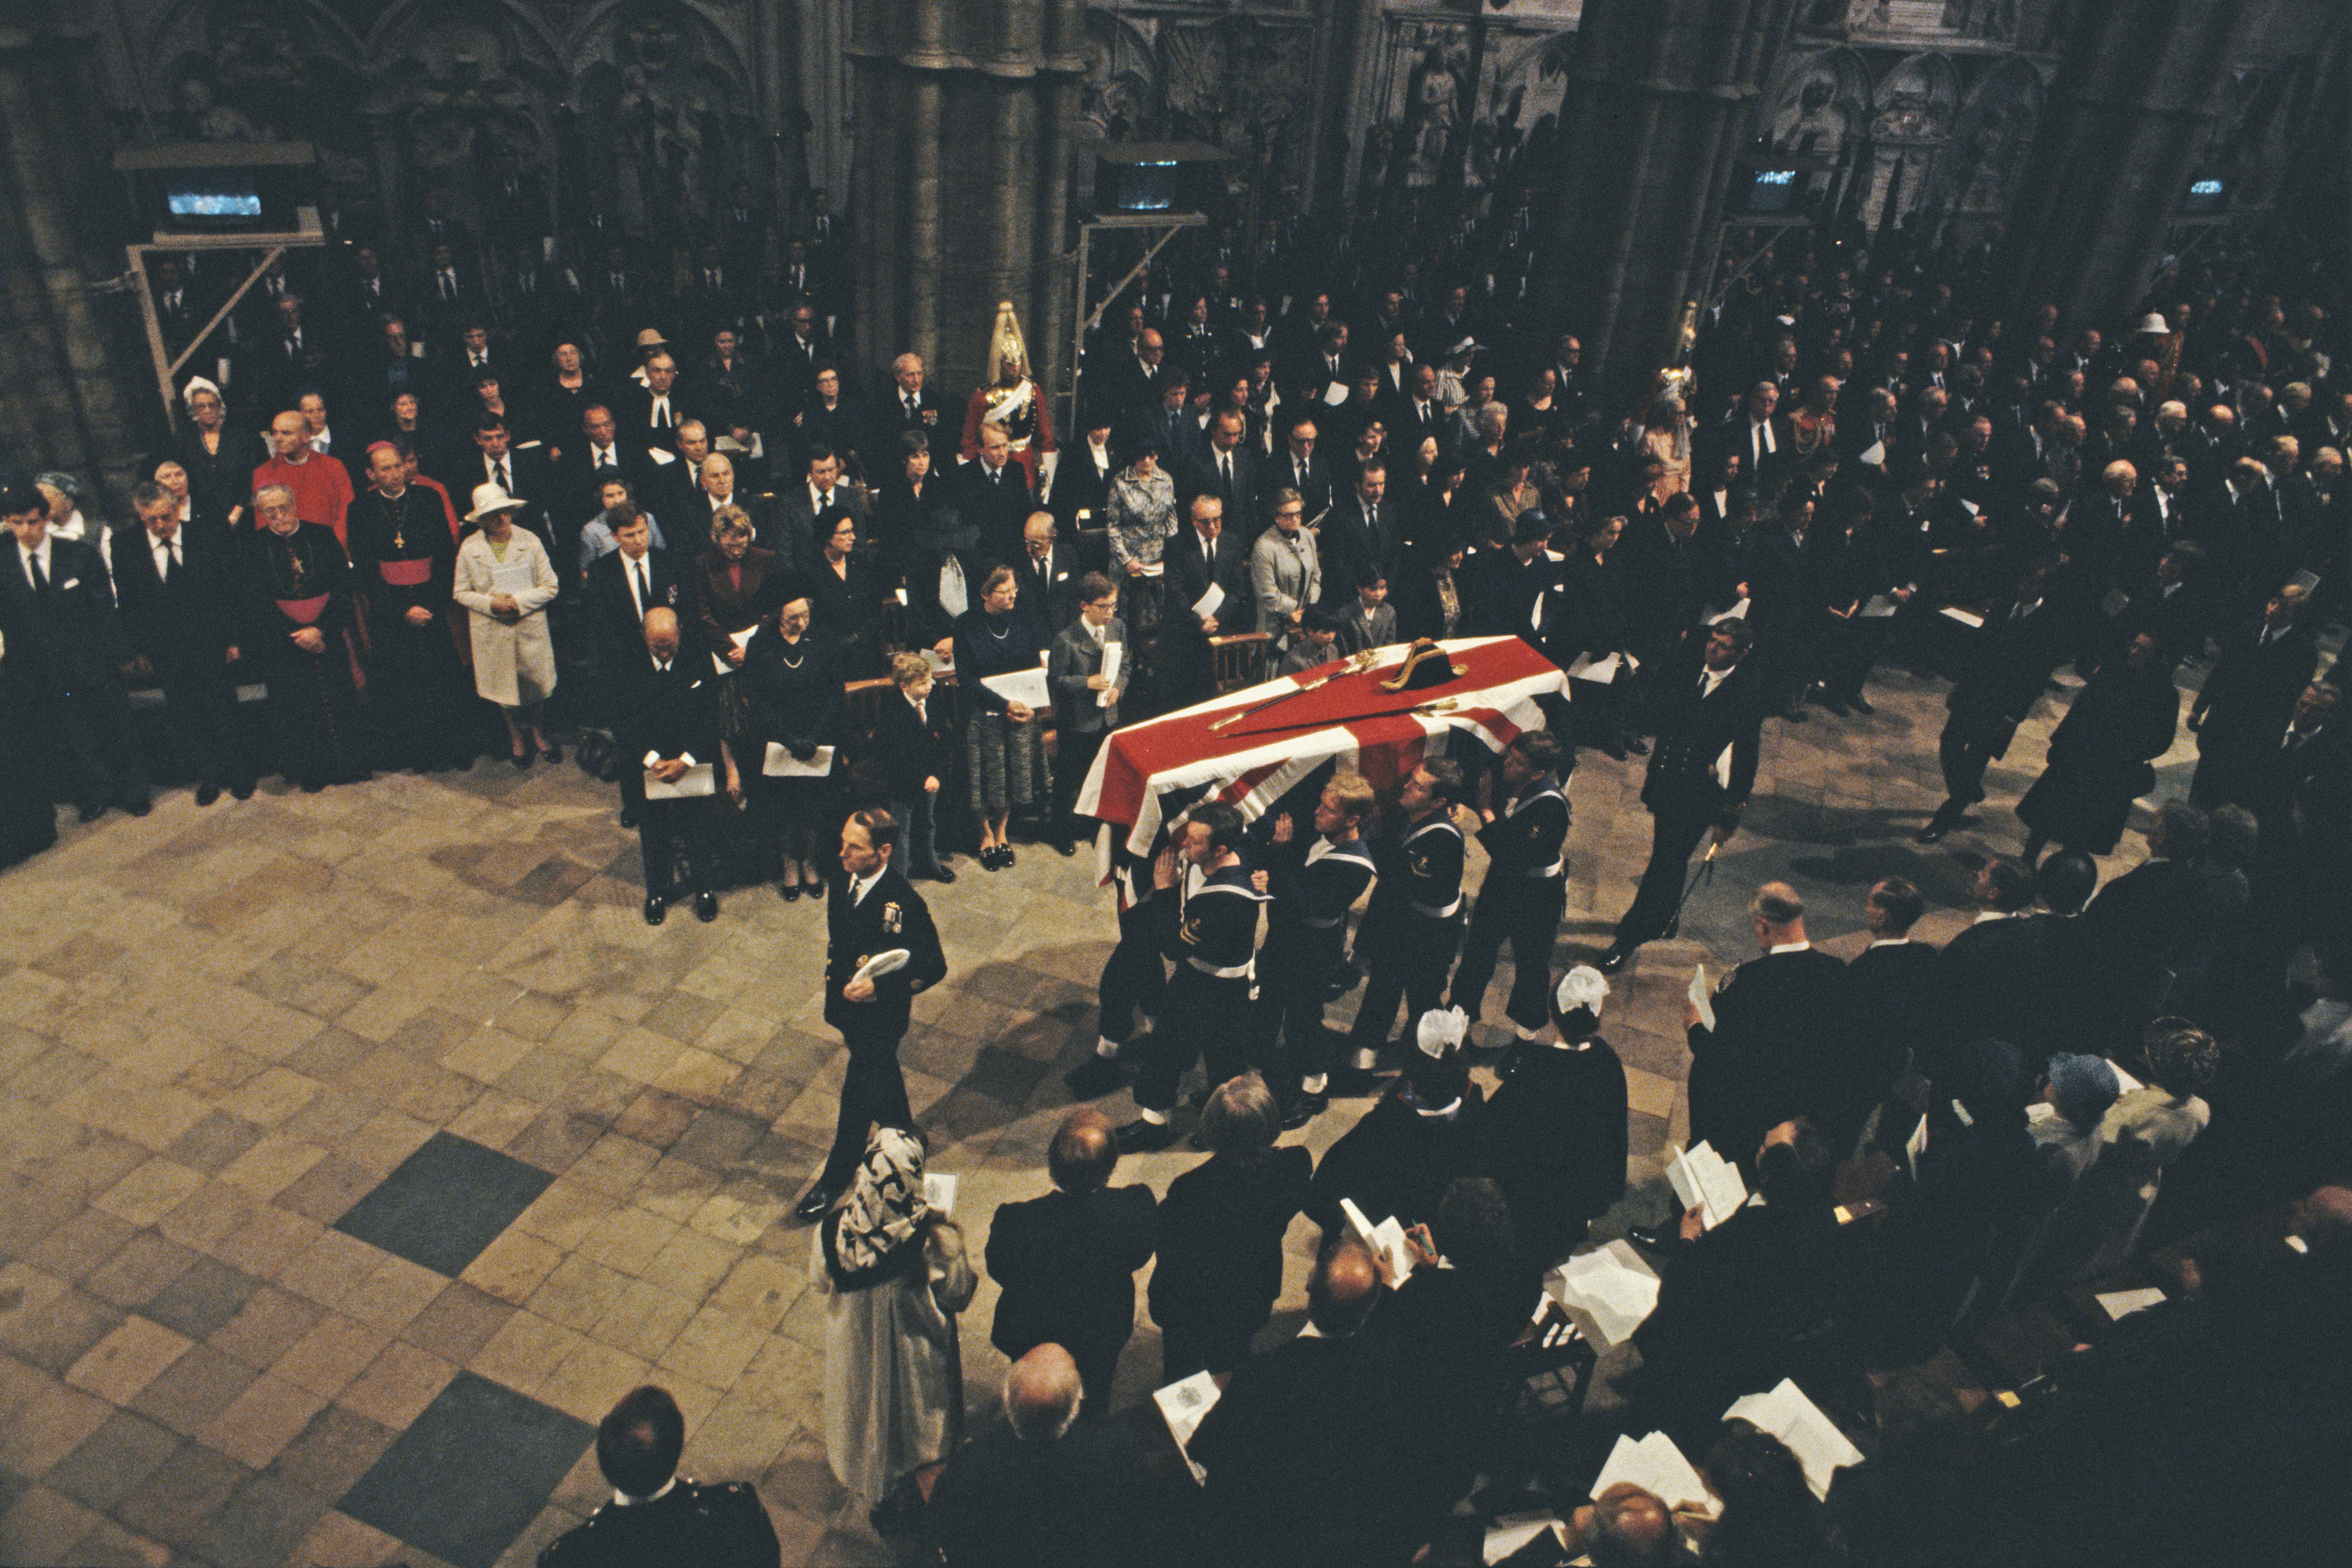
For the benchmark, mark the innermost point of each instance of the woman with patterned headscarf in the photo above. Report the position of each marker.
(893, 1275)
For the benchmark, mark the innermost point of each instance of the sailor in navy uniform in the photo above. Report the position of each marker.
(1211, 936)
(1312, 886)
(1412, 928)
(1525, 889)
(657, 1517)
(1133, 978)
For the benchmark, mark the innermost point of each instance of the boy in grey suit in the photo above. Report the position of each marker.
(1085, 699)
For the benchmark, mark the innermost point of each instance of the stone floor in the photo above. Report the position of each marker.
(361, 1148)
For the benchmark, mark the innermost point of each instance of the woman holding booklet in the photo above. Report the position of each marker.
(790, 691)
(506, 582)
(1000, 656)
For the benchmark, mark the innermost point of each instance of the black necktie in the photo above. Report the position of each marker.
(506, 481)
(169, 567)
(645, 591)
(1226, 477)
(40, 578)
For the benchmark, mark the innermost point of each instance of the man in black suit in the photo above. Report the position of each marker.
(1202, 556)
(73, 653)
(1703, 765)
(1300, 466)
(905, 407)
(2010, 661)
(1044, 1487)
(1129, 380)
(625, 586)
(1226, 468)
(1758, 433)
(179, 590)
(1768, 1058)
(1889, 987)
(1997, 977)
(667, 724)
(1066, 1261)
(2247, 701)
(579, 475)
(1315, 1418)
(2144, 930)
(1365, 532)
(1050, 577)
(1415, 414)
(656, 1515)
(525, 474)
(913, 751)
(819, 502)
(996, 496)
(872, 910)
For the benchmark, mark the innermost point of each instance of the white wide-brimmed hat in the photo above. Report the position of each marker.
(490, 498)
(2152, 325)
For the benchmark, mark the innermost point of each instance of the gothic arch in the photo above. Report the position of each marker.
(1990, 136)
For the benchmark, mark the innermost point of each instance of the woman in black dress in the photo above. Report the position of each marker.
(220, 473)
(791, 698)
(1004, 741)
(924, 539)
(556, 403)
(846, 599)
(829, 422)
(1595, 592)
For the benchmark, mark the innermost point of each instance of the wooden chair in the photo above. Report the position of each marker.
(1240, 660)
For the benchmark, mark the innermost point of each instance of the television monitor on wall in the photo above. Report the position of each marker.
(2205, 195)
(1773, 190)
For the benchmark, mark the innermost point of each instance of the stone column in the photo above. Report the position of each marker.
(1663, 100)
(77, 391)
(2134, 103)
(965, 112)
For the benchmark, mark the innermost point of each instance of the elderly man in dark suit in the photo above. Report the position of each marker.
(1086, 697)
(1202, 555)
(1226, 468)
(872, 910)
(180, 594)
(1709, 712)
(1066, 1261)
(1044, 1486)
(1767, 1056)
(656, 1515)
(905, 406)
(667, 727)
(1998, 976)
(1050, 574)
(2245, 704)
(73, 648)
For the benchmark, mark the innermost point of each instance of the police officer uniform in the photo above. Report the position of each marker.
(1312, 889)
(1210, 938)
(1523, 897)
(1407, 941)
(722, 1526)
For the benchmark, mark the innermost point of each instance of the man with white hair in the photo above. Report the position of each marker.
(906, 406)
(1044, 1487)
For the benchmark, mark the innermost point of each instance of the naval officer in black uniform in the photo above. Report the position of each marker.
(1699, 776)
(1210, 937)
(872, 910)
(656, 1515)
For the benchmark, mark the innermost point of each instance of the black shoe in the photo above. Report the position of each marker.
(552, 753)
(628, 816)
(813, 1203)
(1004, 857)
(241, 790)
(91, 811)
(1614, 750)
(1836, 705)
(1933, 832)
(1303, 1110)
(944, 875)
(1095, 1076)
(522, 763)
(706, 906)
(789, 892)
(656, 910)
(814, 889)
(1637, 746)
(1614, 959)
(1859, 703)
(207, 793)
(313, 786)
(1656, 1237)
(995, 859)
(1141, 1136)
(137, 805)
(1795, 715)
(1064, 846)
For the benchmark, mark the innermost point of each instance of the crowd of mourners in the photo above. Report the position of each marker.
(434, 501)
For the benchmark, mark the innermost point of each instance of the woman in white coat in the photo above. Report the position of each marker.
(506, 582)
(893, 1275)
